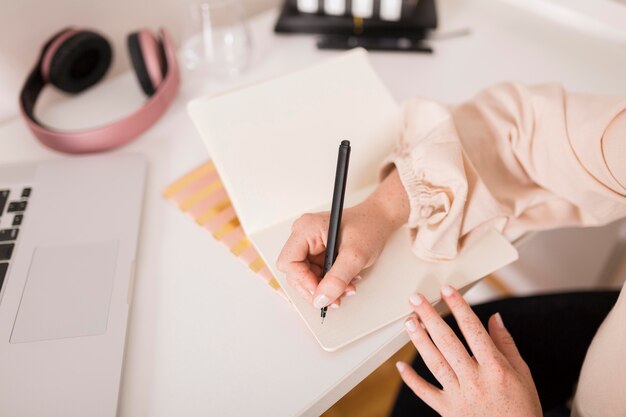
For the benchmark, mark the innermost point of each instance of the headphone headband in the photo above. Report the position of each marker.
(108, 136)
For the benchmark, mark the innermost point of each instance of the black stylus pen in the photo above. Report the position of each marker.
(339, 192)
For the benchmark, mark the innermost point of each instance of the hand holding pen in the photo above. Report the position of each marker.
(365, 229)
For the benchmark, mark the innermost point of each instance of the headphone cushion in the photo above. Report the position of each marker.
(80, 62)
(147, 59)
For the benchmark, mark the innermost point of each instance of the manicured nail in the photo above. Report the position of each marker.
(400, 366)
(446, 290)
(410, 325)
(415, 299)
(321, 301)
(499, 321)
(350, 293)
(334, 305)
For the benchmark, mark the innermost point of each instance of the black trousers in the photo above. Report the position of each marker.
(552, 333)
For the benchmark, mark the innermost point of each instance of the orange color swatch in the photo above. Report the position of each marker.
(200, 194)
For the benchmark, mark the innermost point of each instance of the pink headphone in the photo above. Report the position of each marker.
(74, 60)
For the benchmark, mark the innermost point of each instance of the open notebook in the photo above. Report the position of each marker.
(275, 146)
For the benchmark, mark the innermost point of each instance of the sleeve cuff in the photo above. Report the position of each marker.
(430, 167)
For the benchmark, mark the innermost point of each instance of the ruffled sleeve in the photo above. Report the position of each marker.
(429, 161)
(514, 158)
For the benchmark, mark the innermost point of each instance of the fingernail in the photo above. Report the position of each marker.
(415, 299)
(321, 301)
(350, 293)
(358, 278)
(400, 366)
(446, 290)
(334, 305)
(410, 325)
(499, 321)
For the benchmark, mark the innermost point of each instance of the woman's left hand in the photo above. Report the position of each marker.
(495, 381)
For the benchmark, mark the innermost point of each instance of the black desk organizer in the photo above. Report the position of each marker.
(417, 20)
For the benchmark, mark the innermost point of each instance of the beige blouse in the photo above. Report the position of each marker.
(519, 158)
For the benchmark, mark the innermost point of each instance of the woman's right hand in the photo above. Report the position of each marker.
(365, 229)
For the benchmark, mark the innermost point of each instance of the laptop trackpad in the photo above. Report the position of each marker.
(67, 292)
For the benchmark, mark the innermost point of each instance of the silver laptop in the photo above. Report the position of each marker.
(68, 241)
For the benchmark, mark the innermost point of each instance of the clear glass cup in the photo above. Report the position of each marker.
(216, 40)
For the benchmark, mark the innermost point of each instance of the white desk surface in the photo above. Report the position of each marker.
(206, 337)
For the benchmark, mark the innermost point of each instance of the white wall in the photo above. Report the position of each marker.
(26, 24)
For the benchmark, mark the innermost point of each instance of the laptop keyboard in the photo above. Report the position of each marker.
(13, 204)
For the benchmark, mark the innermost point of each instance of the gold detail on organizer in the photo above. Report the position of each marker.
(200, 194)
(227, 228)
(358, 25)
(188, 179)
(274, 284)
(213, 211)
(240, 247)
(257, 264)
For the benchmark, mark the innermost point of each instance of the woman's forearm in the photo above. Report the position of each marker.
(391, 200)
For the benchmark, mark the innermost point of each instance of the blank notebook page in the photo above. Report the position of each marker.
(275, 143)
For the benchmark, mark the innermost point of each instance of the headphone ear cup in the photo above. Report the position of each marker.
(147, 59)
(80, 62)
